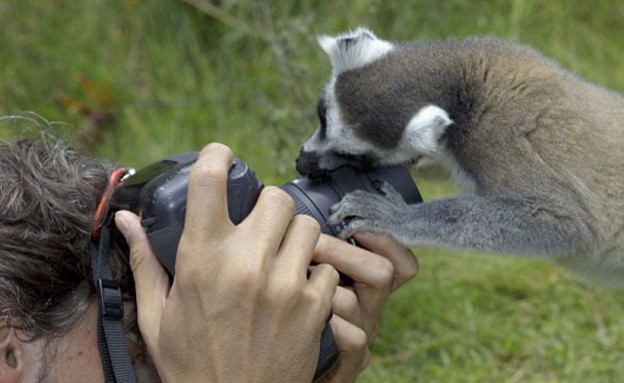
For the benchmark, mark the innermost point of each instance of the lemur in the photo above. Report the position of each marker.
(539, 151)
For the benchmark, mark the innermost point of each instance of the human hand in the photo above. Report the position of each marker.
(240, 308)
(376, 272)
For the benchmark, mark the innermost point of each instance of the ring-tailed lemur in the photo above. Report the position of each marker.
(540, 150)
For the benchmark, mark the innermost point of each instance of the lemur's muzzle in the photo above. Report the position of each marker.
(315, 164)
(308, 163)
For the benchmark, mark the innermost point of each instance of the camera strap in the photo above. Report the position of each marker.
(111, 338)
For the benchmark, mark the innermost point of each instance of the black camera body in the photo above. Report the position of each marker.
(158, 193)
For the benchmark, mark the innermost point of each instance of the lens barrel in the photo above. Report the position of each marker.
(315, 196)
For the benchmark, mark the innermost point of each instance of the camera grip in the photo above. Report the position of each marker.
(165, 243)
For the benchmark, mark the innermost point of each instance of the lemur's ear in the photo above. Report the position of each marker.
(353, 49)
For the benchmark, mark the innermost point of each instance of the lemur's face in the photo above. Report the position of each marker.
(366, 116)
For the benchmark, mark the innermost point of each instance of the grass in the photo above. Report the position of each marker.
(135, 81)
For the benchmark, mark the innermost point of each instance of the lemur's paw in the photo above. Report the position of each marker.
(390, 192)
(364, 211)
(354, 226)
(351, 206)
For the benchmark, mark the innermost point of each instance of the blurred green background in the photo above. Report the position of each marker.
(133, 81)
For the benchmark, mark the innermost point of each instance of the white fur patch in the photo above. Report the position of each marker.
(338, 136)
(353, 49)
(423, 132)
(422, 137)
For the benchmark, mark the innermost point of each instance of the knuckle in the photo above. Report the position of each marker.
(245, 279)
(318, 298)
(193, 275)
(358, 340)
(216, 148)
(279, 197)
(346, 304)
(314, 299)
(351, 303)
(249, 279)
(188, 276)
(307, 223)
(329, 272)
(407, 270)
(384, 274)
(285, 290)
(186, 268)
(208, 174)
(410, 273)
(414, 266)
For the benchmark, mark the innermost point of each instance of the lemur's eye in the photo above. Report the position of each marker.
(321, 111)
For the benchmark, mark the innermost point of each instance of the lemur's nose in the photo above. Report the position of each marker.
(307, 163)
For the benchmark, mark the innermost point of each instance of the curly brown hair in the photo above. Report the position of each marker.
(48, 196)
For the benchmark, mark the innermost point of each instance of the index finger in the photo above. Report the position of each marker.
(403, 260)
(206, 211)
(360, 264)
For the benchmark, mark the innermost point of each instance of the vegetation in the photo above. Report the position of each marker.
(134, 81)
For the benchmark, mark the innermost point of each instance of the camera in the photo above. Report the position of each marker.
(158, 194)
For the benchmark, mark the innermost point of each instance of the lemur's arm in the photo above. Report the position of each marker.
(500, 225)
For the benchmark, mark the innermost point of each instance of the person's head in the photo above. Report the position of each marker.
(48, 197)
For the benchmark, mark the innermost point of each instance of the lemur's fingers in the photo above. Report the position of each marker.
(344, 234)
(345, 211)
(357, 225)
(340, 211)
(391, 193)
(351, 199)
(361, 205)
(353, 205)
(337, 217)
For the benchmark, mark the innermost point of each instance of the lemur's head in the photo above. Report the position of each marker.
(373, 112)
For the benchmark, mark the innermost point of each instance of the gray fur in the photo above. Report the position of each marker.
(541, 150)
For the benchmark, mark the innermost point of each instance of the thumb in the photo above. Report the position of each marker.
(150, 278)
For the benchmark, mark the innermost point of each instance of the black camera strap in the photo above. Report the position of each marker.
(111, 338)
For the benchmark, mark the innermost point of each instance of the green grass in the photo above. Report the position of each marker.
(133, 81)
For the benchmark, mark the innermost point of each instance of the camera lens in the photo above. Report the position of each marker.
(315, 196)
